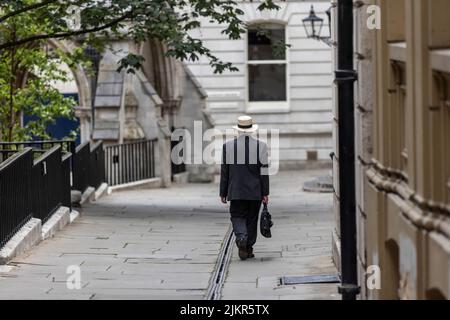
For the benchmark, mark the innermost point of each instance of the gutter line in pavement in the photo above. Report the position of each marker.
(218, 278)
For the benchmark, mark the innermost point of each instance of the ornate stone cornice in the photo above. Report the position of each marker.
(424, 213)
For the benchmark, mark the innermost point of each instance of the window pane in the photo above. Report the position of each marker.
(266, 42)
(267, 82)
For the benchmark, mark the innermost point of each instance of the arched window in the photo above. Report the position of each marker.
(267, 64)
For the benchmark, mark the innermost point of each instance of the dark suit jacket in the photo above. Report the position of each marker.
(244, 169)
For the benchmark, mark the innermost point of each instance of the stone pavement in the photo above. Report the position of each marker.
(300, 246)
(141, 244)
(164, 244)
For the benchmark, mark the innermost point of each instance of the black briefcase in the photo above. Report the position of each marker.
(266, 222)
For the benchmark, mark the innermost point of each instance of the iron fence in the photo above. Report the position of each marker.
(7, 149)
(130, 162)
(82, 160)
(15, 193)
(36, 179)
(177, 167)
(47, 184)
(66, 180)
(87, 163)
(97, 165)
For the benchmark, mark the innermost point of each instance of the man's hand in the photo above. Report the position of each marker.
(223, 199)
(265, 199)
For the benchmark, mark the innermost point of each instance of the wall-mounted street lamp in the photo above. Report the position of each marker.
(313, 26)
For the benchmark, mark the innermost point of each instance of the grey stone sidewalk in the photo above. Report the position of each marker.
(300, 246)
(143, 244)
(164, 244)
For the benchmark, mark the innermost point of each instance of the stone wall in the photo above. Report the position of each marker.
(304, 120)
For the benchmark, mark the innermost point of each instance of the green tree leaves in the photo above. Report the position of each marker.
(27, 71)
(166, 20)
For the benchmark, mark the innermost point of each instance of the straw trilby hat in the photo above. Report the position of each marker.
(245, 124)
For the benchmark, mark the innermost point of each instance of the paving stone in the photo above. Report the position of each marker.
(164, 244)
(128, 246)
(300, 245)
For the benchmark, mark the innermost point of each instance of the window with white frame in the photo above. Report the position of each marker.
(267, 65)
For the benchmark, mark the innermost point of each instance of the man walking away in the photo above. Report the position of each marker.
(244, 181)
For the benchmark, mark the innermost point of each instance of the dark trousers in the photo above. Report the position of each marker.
(244, 217)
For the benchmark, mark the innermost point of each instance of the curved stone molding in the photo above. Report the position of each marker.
(252, 14)
(423, 213)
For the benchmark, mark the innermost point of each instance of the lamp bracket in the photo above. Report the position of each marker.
(349, 289)
(345, 76)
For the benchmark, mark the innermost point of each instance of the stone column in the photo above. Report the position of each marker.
(364, 39)
(164, 150)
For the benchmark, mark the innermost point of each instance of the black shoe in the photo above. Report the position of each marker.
(242, 245)
(250, 252)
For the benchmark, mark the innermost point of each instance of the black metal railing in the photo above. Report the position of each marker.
(177, 167)
(87, 162)
(47, 184)
(97, 165)
(15, 193)
(7, 149)
(36, 179)
(130, 162)
(89, 166)
(66, 182)
(82, 160)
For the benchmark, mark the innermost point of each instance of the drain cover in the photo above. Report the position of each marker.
(327, 278)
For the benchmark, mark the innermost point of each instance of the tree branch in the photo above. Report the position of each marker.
(65, 34)
(25, 9)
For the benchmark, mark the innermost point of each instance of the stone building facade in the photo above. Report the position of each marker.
(402, 118)
(291, 92)
(288, 91)
(149, 104)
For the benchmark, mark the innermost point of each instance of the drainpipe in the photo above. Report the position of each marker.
(345, 78)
